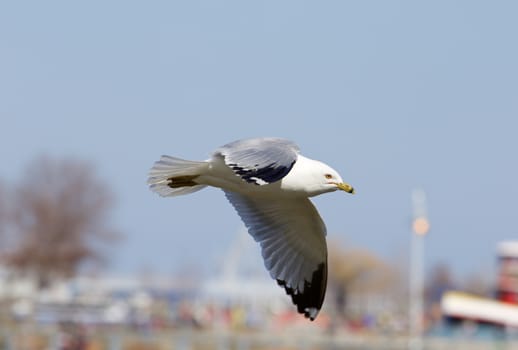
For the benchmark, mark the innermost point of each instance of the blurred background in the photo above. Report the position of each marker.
(414, 103)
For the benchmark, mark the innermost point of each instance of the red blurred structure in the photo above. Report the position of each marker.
(507, 285)
(501, 311)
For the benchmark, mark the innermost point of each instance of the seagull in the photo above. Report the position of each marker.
(269, 184)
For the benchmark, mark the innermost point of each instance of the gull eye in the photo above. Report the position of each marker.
(328, 176)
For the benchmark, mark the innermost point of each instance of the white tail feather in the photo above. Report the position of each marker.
(167, 167)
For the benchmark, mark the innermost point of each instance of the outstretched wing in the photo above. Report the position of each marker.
(261, 160)
(292, 238)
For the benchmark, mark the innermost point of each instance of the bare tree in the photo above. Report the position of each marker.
(479, 283)
(439, 281)
(355, 271)
(59, 219)
(3, 221)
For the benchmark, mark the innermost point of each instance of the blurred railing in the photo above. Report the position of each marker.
(41, 338)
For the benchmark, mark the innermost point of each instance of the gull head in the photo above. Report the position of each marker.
(331, 181)
(313, 177)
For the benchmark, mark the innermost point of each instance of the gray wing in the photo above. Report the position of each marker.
(292, 238)
(261, 160)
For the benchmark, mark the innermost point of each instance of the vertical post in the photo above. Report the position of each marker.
(115, 341)
(420, 227)
(6, 340)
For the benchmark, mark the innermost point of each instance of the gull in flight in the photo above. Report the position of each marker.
(269, 184)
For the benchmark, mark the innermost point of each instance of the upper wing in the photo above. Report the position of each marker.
(292, 238)
(261, 160)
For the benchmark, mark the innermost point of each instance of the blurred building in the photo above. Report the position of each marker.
(507, 285)
(500, 312)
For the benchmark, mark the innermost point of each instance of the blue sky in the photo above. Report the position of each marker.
(393, 94)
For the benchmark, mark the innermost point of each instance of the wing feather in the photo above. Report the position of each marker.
(261, 160)
(291, 234)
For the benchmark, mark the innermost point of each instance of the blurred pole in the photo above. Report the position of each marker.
(6, 340)
(420, 227)
(183, 342)
(115, 341)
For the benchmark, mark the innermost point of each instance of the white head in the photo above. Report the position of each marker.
(313, 177)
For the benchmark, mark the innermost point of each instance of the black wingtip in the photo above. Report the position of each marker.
(310, 300)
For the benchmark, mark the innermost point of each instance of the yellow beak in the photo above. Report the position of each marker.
(345, 187)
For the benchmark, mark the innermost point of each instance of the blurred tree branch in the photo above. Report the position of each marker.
(3, 214)
(356, 271)
(58, 220)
